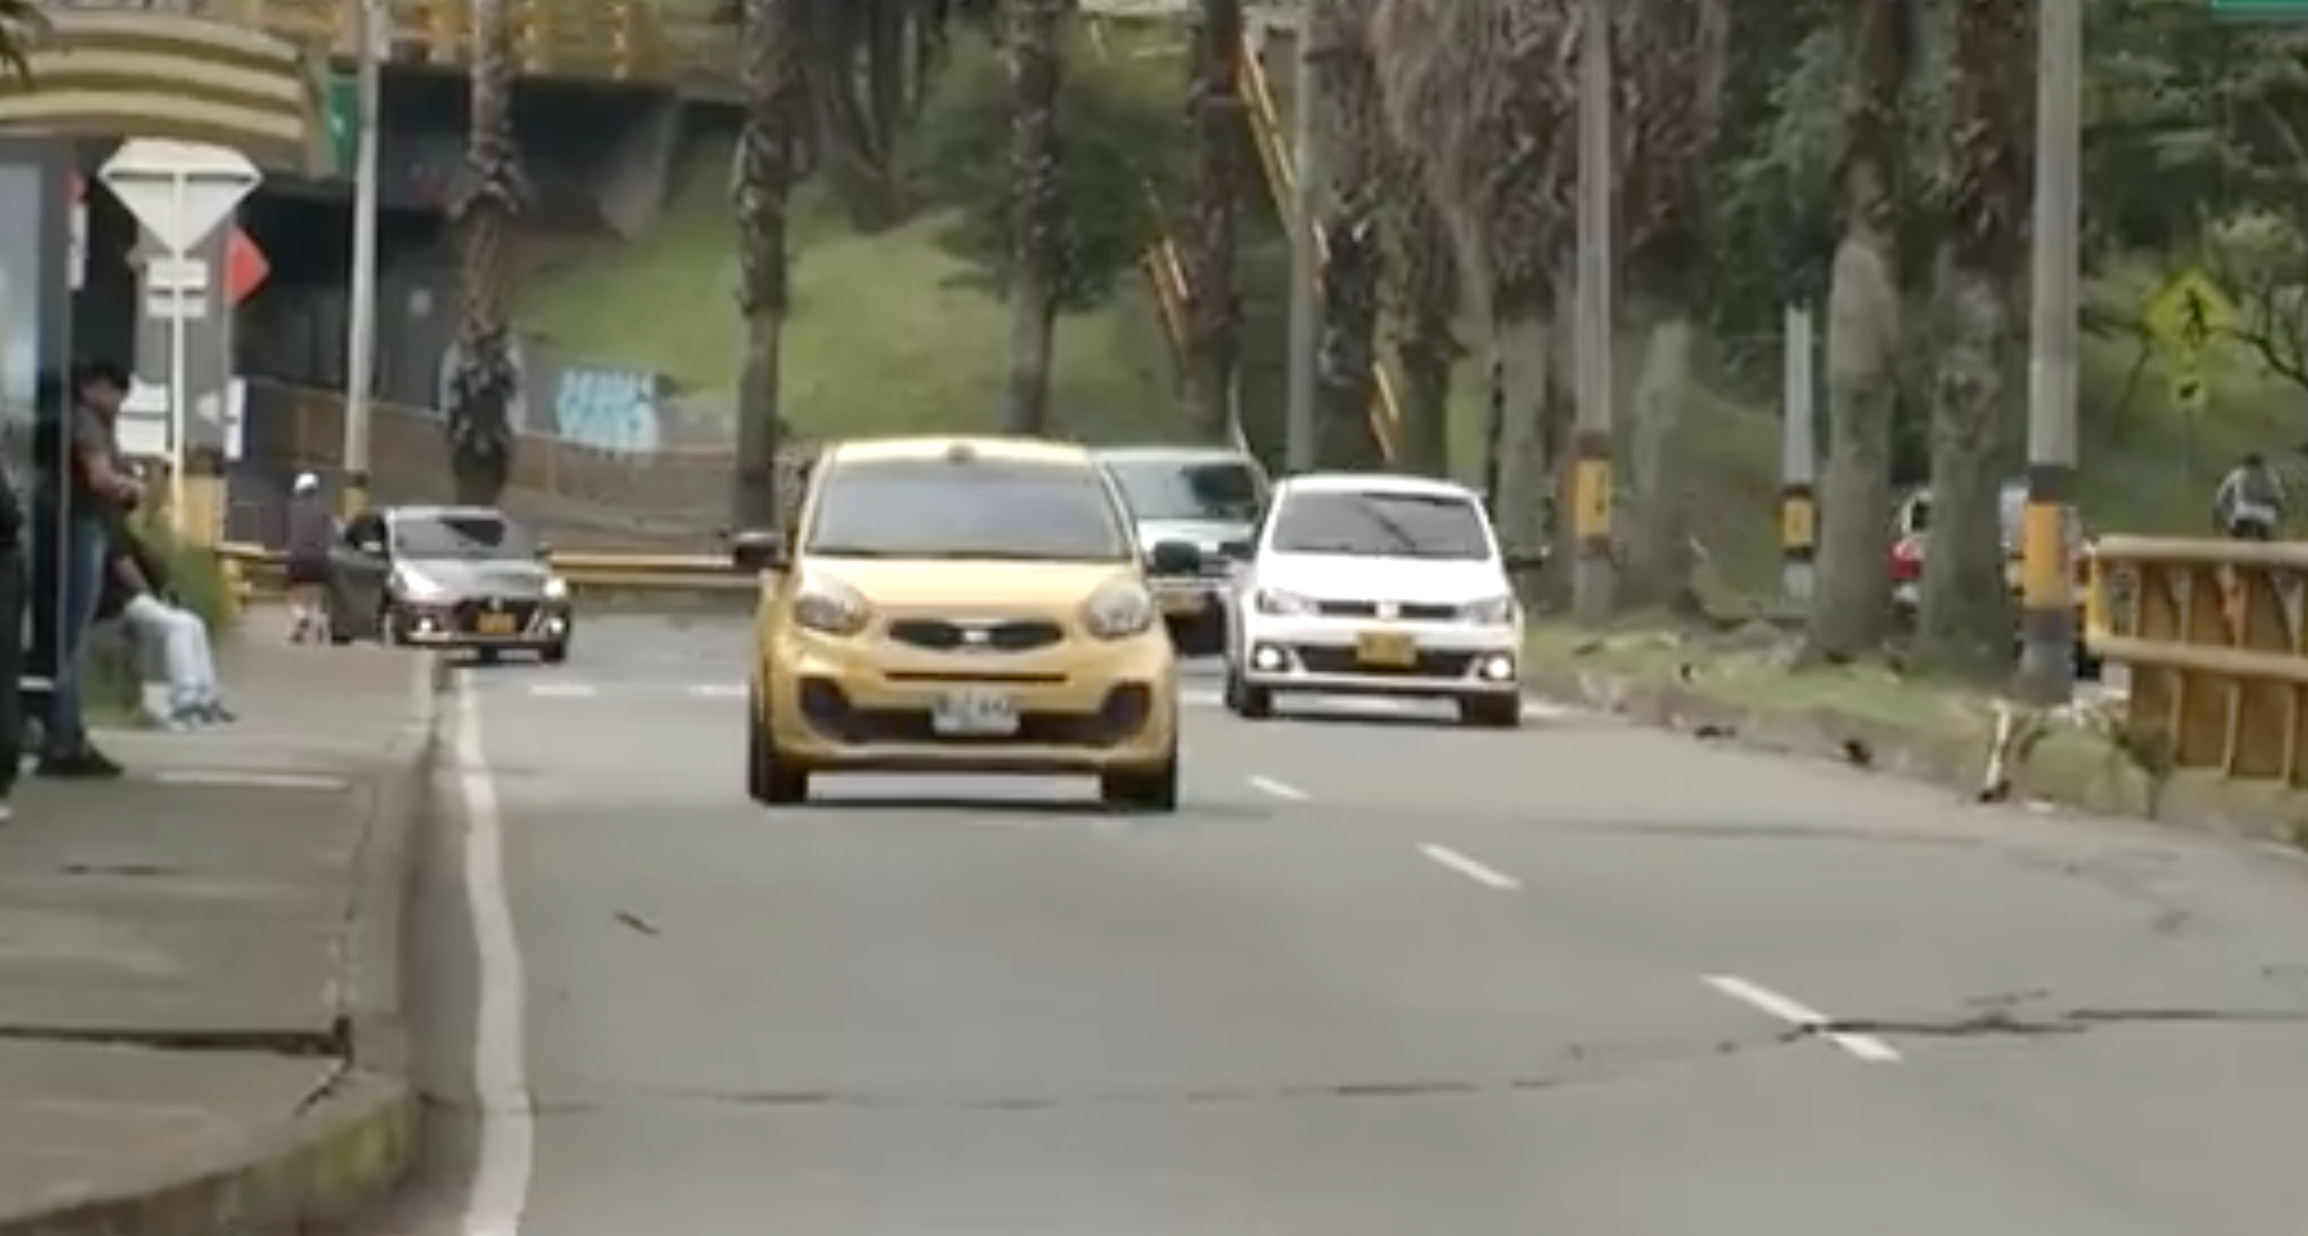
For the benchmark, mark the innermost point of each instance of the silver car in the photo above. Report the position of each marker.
(1208, 497)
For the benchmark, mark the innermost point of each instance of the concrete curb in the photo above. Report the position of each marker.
(2070, 771)
(355, 1142)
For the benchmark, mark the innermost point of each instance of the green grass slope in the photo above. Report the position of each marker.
(885, 335)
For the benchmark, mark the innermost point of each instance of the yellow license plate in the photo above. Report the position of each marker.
(1183, 602)
(1386, 650)
(497, 624)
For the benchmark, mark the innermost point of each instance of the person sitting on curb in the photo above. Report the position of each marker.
(137, 594)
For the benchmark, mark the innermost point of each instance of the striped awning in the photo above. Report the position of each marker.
(127, 73)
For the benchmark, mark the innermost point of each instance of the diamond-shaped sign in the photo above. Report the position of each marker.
(179, 191)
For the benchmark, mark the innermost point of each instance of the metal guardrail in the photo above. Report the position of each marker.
(2212, 632)
(257, 573)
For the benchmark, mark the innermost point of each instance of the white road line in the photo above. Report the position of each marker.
(226, 779)
(718, 690)
(563, 690)
(508, 1150)
(1863, 1046)
(1450, 859)
(1278, 789)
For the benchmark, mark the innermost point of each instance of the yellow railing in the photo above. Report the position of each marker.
(2218, 653)
(585, 40)
(1282, 179)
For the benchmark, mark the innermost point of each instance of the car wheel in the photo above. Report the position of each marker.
(766, 781)
(1151, 790)
(1492, 712)
(555, 653)
(1246, 701)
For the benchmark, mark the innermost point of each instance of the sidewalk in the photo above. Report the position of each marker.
(200, 986)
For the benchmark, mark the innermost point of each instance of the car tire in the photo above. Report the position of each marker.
(1153, 790)
(556, 653)
(1492, 712)
(768, 782)
(1245, 701)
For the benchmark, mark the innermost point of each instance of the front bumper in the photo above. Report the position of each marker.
(505, 623)
(1361, 656)
(868, 705)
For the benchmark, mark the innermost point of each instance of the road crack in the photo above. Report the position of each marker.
(2004, 1023)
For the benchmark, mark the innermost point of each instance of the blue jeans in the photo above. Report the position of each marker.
(87, 549)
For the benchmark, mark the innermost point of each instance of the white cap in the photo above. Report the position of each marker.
(307, 482)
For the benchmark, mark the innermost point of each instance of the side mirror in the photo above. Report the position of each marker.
(1175, 558)
(1524, 561)
(759, 551)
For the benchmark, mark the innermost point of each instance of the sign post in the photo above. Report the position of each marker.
(180, 192)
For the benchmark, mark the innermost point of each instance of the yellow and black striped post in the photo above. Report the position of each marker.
(1798, 532)
(2047, 580)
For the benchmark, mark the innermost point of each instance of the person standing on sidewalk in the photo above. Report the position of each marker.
(312, 534)
(98, 492)
(13, 575)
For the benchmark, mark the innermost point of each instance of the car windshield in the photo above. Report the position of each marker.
(1387, 525)
(478, 537)
(996, 509)
(1220, 490)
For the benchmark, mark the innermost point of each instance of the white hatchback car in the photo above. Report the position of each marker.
(1369, 584)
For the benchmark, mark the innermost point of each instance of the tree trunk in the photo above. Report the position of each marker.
(1347, 348)
(764, 188)
(1427, 341)
(1213, 299)
(1966, 622)
(1038, 206)
(1965, 627)
(479, 417)
(1851, 599)
(1526, 475)
(1659, 537)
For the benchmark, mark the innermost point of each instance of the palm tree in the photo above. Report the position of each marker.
(1344, 90)
(1673, 100)
(479, 424)
(761, 190)
(1038, 209)
(1964, 625)
(1851, 600)
(1213, 300)
(1478, 93)
(1426, 269)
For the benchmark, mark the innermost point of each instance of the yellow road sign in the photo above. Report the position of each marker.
(2188, 313)
(2189, 392)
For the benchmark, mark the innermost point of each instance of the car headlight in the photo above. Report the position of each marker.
(1490, 611)
(829, 607)
(1119, 610)
(1275, 601)
(556, 588)
(418, 588)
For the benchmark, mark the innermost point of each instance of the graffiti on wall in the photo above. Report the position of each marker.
(600, 407)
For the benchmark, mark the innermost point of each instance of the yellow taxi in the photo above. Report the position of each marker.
(974, 605)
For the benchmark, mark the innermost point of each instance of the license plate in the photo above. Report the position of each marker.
(1184, 602)
(497, 624)
(974, 714)
(1386, 650)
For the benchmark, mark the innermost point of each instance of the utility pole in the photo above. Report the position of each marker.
(1594, 578)
(1305, 260)
(361, 321)
(1798, 457)
(2047, 569)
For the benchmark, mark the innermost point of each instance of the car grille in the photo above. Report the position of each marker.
(1010, 635)
(468, 613)
(1123, 713)
(1369, 609)
(1429, 665)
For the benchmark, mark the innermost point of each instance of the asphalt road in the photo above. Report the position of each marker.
(1377, 978)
